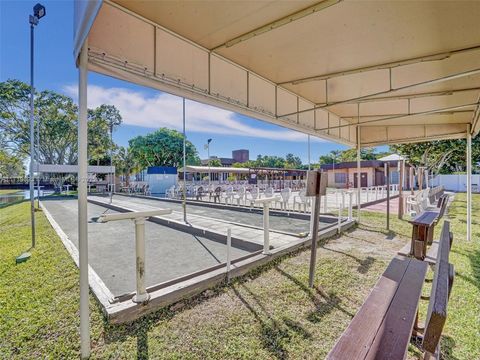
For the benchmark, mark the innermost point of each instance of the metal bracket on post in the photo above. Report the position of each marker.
(316, 186)
(139, 217)
(266, 221)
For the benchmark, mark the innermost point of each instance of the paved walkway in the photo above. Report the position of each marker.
(382, 206)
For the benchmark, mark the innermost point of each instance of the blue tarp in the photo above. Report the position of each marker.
(167, 170)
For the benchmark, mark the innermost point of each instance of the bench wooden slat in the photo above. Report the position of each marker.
(360, 334)
(437, 308)
(393, 335)
(425, 218)
(405, 250)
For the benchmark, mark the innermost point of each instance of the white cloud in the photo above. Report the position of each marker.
(164, 110)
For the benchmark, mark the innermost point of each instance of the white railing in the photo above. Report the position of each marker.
(139, 218)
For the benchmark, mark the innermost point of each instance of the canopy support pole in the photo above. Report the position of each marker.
(358, 173)
(82, 203)
(184, 167)
(469, 184)
(309, 163)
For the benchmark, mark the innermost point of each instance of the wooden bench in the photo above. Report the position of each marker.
(423, 227)
(422, 233)
(383, 326)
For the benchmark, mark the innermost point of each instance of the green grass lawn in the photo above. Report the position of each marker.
(8, 191)
(268, 314)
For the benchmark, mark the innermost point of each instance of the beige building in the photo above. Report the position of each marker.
(372, 173)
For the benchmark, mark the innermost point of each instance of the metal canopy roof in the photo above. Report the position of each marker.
(214, 169)
(402, 71)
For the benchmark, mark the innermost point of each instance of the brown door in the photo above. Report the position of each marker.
(379, 178)
(363, 181)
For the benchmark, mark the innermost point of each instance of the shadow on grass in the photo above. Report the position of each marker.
(322, 308)
(363, 264)
(474, 258)
(389, 234)
(274, 333)
(16, 202)
(138, 328)
(447, 344)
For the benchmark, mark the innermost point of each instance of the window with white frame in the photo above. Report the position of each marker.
(340, 178)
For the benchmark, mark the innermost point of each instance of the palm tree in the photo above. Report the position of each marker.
(125, 163)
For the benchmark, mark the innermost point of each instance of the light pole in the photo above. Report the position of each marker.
(37, 153)
(38, 13)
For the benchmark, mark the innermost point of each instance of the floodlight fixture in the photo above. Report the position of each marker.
(39, 11)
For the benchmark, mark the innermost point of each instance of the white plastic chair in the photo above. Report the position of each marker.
(285, 196)
(240, 195)
(229, 195)
(301, 199)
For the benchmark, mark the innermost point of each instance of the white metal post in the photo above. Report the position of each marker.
(350, 205)
(309, 164)
(358, 173)
(141, 296)
(339, 225)
(325, 202)
(229, 246)
(469, 184)
(266, 221)
(266, 227)
(184, 167)
(82, 203)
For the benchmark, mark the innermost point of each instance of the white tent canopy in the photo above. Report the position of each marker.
(361, 73)
(403, 71)
(392, 157)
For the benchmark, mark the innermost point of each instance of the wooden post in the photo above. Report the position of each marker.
(387, 172)
(400, 190)
(316, 186)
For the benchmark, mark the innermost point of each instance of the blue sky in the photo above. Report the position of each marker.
(143, 109)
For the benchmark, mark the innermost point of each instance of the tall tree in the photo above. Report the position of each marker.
(125, 163)
(331, 157)
(292, 161)
(57, 117)
(444, 156)
(270, 161)
(215, 162)
(10, 165)
(351, 154)
(163, 147)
